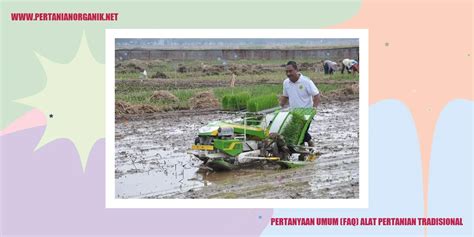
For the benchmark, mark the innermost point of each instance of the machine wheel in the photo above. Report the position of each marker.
(277, 152)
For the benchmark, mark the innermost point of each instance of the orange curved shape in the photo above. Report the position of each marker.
(431, 41)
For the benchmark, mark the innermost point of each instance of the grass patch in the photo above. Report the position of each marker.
(141, 95)
(323, 88)
(194, 69)
(341, 77)
(127, 75)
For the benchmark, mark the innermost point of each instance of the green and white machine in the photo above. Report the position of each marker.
(276, 137)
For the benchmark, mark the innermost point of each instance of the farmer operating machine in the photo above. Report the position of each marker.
(275, 137)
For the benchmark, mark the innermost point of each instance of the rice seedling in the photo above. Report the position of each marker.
(293, 128)
(262, 102)
(235, 101)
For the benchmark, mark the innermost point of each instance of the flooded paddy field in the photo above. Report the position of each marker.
(152, 159)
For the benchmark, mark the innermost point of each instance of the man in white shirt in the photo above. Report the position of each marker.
(299, 92)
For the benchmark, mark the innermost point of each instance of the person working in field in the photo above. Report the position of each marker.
(350, 65)
(299, 92)
(329, 67)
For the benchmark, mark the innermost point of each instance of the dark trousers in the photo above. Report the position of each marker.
(347, 68)
(326, 68)
(307, 137)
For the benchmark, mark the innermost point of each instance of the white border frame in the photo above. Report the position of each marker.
(112, 202)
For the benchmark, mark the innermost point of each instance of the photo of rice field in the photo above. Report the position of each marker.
(163, 104)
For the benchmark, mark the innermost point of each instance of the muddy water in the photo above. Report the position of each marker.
(152, 161)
